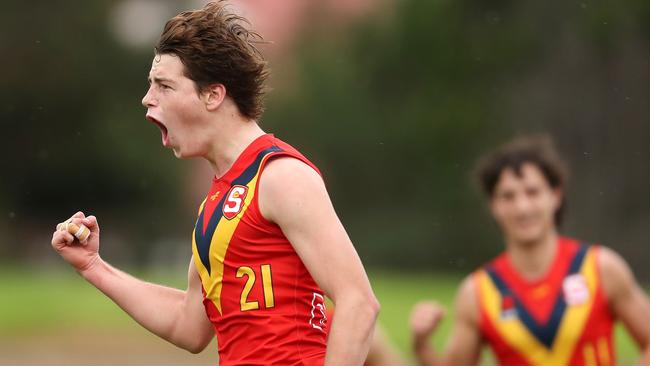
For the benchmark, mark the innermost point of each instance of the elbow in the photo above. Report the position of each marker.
(196, 347)
(371, 307)
(192, 340)
(363, 304)
(375, 307)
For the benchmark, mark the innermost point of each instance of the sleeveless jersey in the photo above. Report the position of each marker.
(561, 319)
(265, 307)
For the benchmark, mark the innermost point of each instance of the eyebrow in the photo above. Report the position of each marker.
(160, 80)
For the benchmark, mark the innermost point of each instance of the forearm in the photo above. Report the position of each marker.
(157, 308)
(351, 332)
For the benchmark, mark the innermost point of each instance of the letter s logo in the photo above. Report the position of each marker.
(234, 201)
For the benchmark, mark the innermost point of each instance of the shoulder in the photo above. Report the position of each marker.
(615, 273)
(467, 300)
(610, 262)
(283, 167)
(288, 184)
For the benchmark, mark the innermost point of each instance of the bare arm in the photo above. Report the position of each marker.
(626, 299)
(174, 315)
(294, 196)
(464, 345)
(382, 352)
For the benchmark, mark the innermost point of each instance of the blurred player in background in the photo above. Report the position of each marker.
(266, 240)
(548, 299)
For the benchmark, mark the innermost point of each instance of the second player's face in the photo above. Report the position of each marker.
(524, 205)
(174, 105)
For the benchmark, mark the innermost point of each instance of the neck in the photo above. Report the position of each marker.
(533, 259)
(227, 147)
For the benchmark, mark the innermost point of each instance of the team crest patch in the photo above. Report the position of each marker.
(234, 202)
(576, 291)
(508, 309)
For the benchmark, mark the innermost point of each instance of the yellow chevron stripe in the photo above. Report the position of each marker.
(201, 206)
(213, 282)
(515, 333)
(575, 316)
(511, 330)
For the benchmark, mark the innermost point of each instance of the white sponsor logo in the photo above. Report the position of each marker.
(318, 318)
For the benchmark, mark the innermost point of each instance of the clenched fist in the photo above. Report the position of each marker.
(81, 257)
(425, 318)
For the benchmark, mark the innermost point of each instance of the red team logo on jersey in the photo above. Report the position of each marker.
(234, 201)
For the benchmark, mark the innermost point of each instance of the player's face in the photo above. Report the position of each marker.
(174, 105)
(524, 206)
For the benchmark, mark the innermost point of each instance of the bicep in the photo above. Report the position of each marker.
(635, 315)
(194, 310)
(464, 345)
(305, 214)
(626, 298)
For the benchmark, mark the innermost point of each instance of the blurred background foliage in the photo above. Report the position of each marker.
(393, 99)
(395, 106)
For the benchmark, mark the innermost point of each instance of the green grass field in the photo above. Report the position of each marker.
(47, 302)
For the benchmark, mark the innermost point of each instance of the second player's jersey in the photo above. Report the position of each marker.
(560, 320)
(265, 306)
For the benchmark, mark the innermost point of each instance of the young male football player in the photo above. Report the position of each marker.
(548, 299)
(267, 245)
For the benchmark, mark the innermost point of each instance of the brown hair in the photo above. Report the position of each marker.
(216, 47)
(537, 150)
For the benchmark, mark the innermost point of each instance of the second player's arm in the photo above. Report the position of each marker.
(627, 300)
(464, 345)
(294, 197)
(382, 351)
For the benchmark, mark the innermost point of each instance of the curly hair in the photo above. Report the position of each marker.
(537, 150)
(216, 47)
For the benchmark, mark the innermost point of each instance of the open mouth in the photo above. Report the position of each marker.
(162, 127)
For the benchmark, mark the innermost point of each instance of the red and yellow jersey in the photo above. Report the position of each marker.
(561, 319)
(265, 306)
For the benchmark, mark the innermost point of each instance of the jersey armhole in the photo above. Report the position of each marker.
(595, 251)
(256, 213)
(198, 212)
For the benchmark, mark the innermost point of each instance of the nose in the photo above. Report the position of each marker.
(522, 203)
(148, 100)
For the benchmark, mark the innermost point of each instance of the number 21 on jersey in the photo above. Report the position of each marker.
(267, 287)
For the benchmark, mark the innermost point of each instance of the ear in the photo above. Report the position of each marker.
(213, 95)
(558, 195)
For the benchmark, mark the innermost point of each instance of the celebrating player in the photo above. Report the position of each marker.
(266, 240)
(548, 299)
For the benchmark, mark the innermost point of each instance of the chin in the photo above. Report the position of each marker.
(529, 236)
(180, 154)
